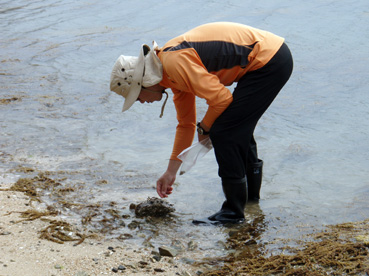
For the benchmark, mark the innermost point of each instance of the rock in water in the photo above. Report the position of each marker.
(168, 251)
(154, 207)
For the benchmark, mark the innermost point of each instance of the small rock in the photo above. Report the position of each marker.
(58, 266)
(111, 248)
(191, 245)
(5, 233)
(122, 267)
(167, 251)
(159, 270)
(114, 269)
(133, 225)
(142, 263)
(125, 237)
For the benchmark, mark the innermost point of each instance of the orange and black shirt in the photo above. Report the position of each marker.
(202, 62)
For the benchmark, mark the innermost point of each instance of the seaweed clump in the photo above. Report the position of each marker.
(61, 231)
(32, 186)
(153, 207)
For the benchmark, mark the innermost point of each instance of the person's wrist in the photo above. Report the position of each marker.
(173, 167)
(201, 129)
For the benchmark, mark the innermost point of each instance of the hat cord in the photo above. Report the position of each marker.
(165, 101)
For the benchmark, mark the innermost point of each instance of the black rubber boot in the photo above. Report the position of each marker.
(232, 211)
(254, 175)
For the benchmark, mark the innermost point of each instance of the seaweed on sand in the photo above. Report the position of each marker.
(336, 251)
(32, 214)
(61, 231)
(31, 186)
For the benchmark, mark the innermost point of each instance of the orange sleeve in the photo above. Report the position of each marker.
(186, 115)
(186, 70)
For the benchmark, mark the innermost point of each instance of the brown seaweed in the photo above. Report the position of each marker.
(332, 252)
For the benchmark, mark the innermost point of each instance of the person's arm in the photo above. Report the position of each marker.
(165, 182)
(187, 71)
(186, 115)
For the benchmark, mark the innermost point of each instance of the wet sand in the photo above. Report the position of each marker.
(24, 253)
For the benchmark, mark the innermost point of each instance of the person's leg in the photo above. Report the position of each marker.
(232, 210)
(252, 156)
(232, 133)
(254, 172)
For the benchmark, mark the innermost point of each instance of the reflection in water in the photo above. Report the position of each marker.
(248, 233)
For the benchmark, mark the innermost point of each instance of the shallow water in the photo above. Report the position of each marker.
(56, 57)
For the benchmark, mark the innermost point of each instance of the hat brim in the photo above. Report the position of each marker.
(136, 84)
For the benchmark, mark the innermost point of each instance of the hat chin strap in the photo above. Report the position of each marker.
(163, 106)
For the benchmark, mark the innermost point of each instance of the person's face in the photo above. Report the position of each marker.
(149, 96)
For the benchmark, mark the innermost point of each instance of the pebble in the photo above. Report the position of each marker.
(114, 269)
(142, 263)
(167, 251)
(133, 225)
(191, 245)
(121, 267)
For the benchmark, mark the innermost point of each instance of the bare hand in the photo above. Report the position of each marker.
(164, 184)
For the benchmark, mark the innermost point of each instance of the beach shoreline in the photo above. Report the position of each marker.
(24, 253)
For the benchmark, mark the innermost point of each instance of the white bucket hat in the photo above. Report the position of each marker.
(129, 74)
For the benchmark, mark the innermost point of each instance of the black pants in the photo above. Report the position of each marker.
(232, 132)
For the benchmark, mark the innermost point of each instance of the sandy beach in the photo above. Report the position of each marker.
(24, 253)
